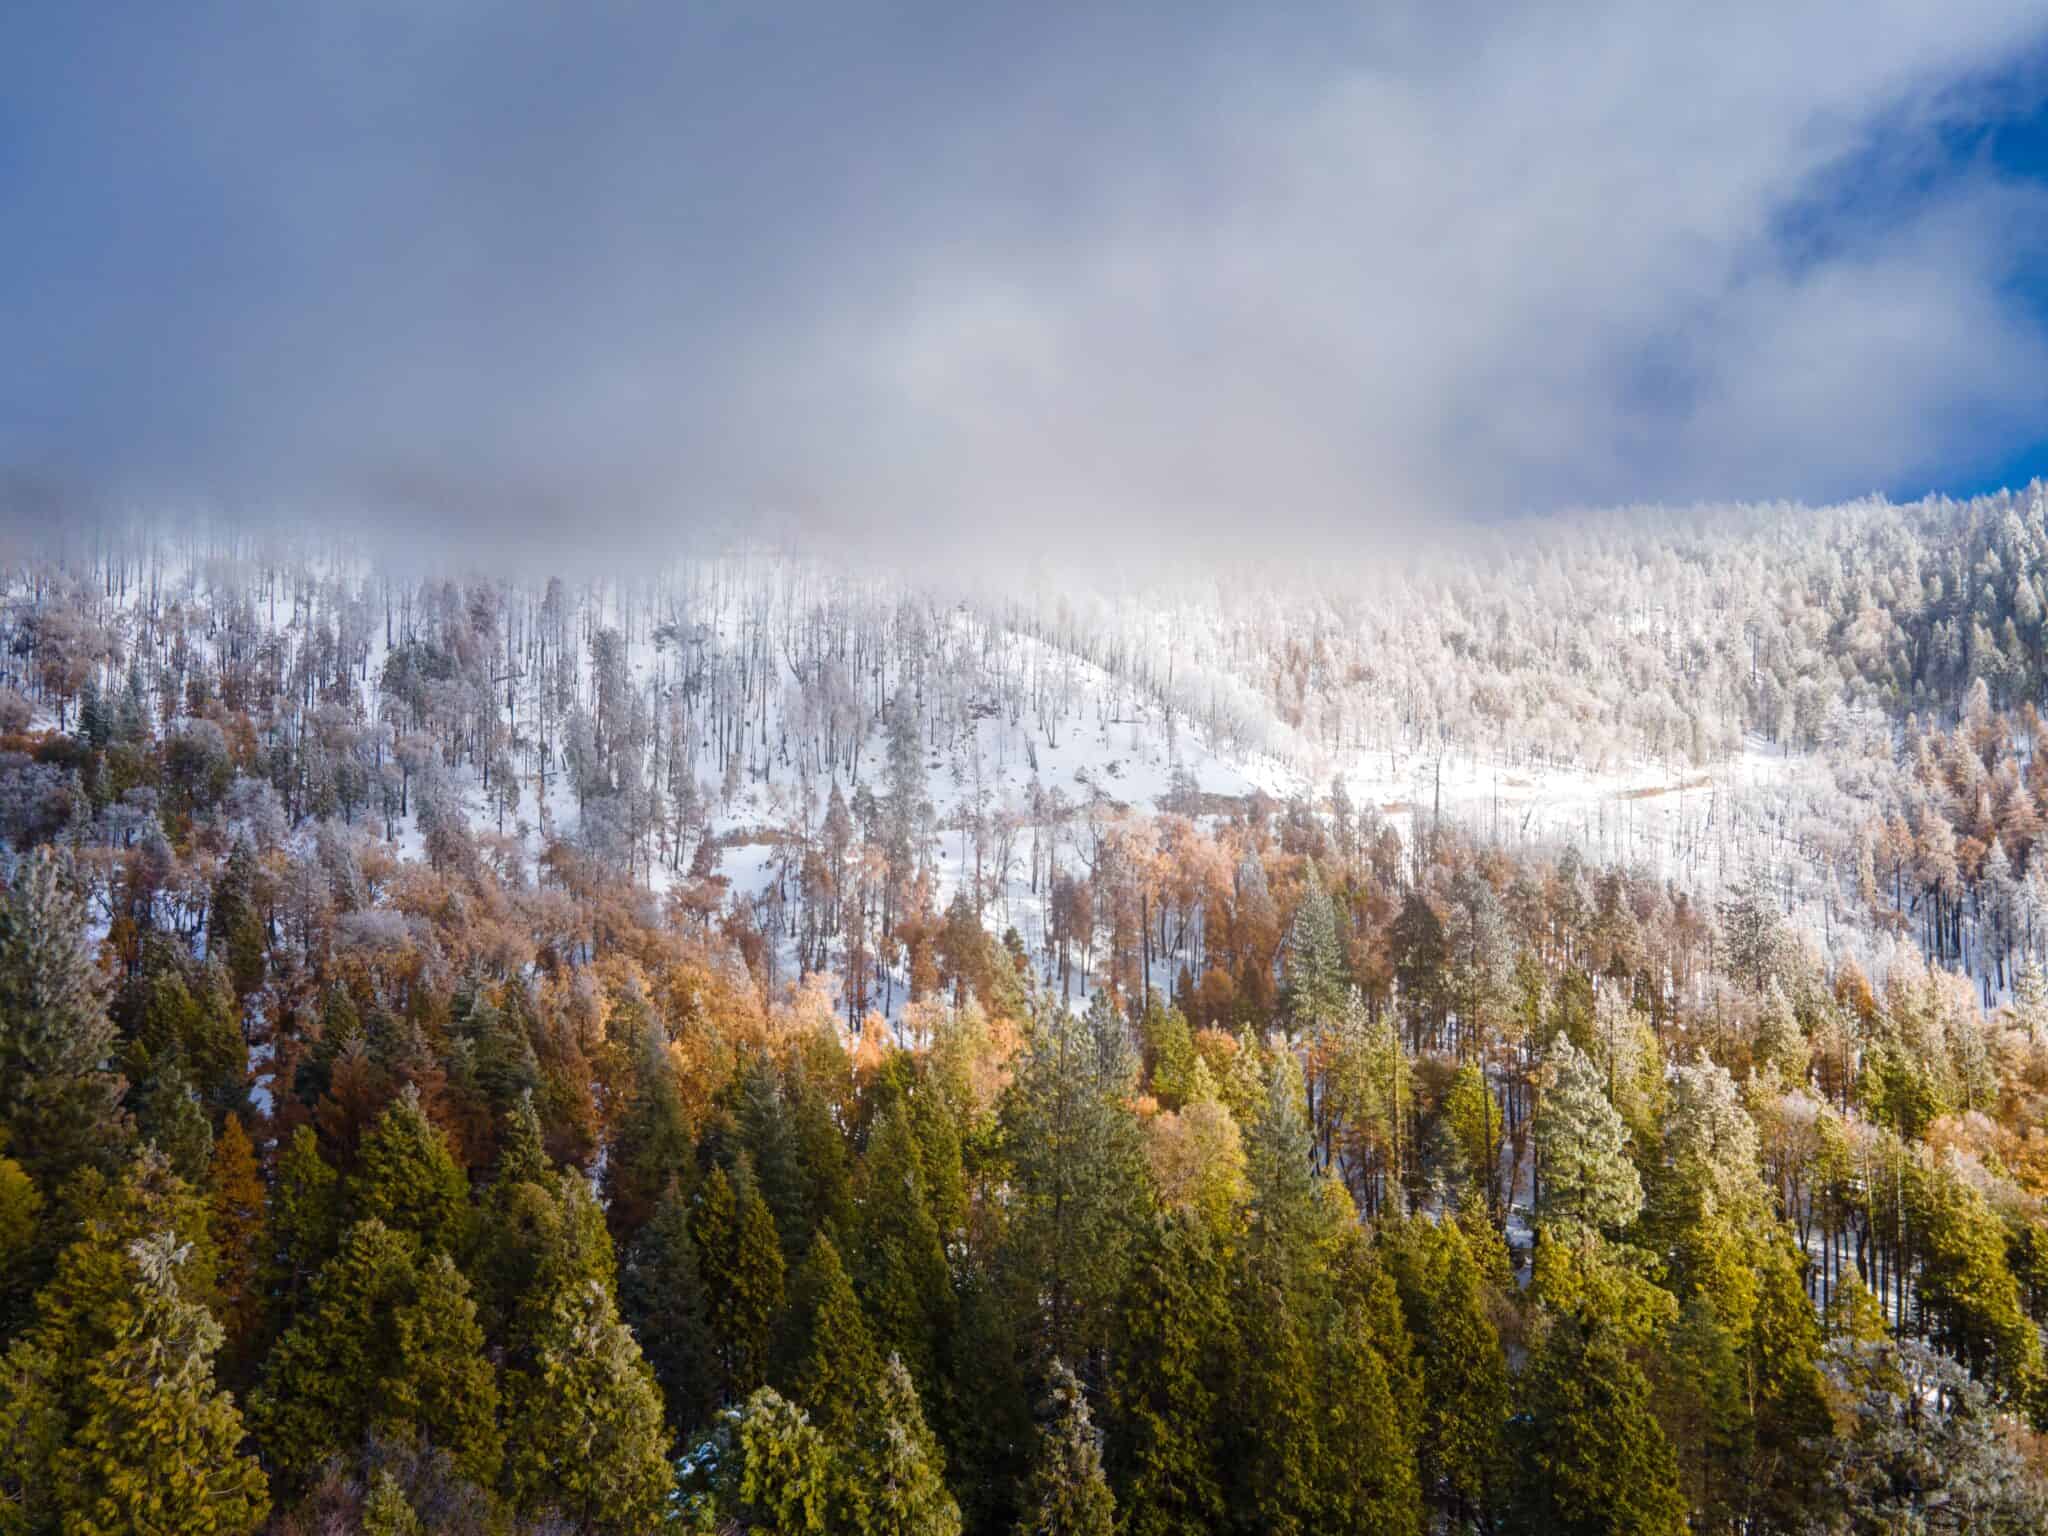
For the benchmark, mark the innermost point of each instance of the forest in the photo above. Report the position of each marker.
(1547, 1035)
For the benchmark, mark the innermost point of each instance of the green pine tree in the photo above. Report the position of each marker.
(1705, 1411)
(1316, 981)
(1066, 1493)
(1581, 1140)
(1080, 1190)
(1367, 1477)
(652, 1144)
(1464, 1372)
(555, 1244)
(1785, 1387)
(662, 1298)
(893, 1479)
(323, 1384)
(386, 1511)
(98, 1312)
(1967, 1286)
(740, 1257)
(1277, 1451)
(522, 1149)
(1285, 1205)
(59, 1098)
(158, 1445)
(1175, 1323)
(507, 1067)
(1368, 1293)
(786, 1468)
(442, 1390)
(769, 1137)
(407, 1178)
(21, 1205)
(836, 1381)
(584, 1424)
(1594, 1461)
(904, 1280)
(85, 1313)
(234, 930)
(1170, 1048)
(305, 1216)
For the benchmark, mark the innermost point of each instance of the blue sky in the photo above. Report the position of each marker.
(2017, 145)
(1062, 272)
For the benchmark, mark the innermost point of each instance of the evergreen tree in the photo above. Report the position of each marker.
(1316, 983)
(1279, 1160)
(740, 1258)
(1593, 1460)
(522, 1149)
(554, 1243)
(324, 1383)
(132, 724)
(1786, 1390)
(407, 1178)
(1170, 1048)
(904, 1280)
(95, 722)
(1371, 1301)
(386, 1511)
(305, 1215)
(938, 1111)
(93, 1318)
(1472, 1120)
(442, 1389)
(769, 1138)
(584, 1426)
(507, 1069)
(169, 1116)
(37, 1387)
(234, 930)
(1078, 1157)
(988, 1372)
(1420, 960)
(1175, 1323)
(904, 805)
(59, 1099)
(1922, 1449)
(836, 1381)
(1968, 1289)
(176, 1016)
(1367, 1476)
(1066, 1493)
(662, 1298)
(815, 1117)
(21, 1205)
(1465, 1385)
(1278, 1451)
(1753, 930)
(893, 1481)
(1705, 1411)
(786, 1468)
(652, 1144)
(158, 1445)
(1582, 1157)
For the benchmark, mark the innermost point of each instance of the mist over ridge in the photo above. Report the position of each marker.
(921, 277)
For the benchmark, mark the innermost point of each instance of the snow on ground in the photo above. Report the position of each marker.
(1093, 738)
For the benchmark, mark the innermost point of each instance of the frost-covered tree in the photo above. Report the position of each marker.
(1585, 1176)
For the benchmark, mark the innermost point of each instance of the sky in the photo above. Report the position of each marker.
(1029, 276)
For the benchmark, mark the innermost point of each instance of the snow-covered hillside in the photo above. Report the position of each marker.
(691, 728)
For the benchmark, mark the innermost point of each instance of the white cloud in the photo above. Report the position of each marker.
(1264, 270)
